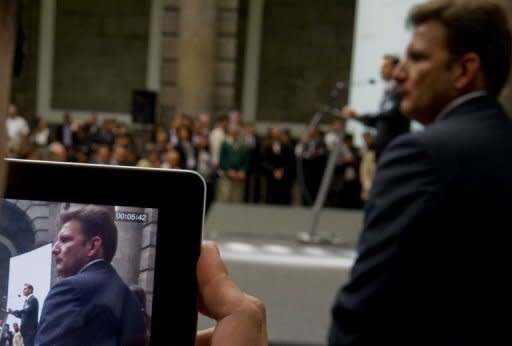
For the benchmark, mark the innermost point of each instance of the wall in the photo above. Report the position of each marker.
(24, 86)
(100, 54)
(306, 48)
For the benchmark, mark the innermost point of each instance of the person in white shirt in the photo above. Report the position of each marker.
(17, 339)
(17, 128)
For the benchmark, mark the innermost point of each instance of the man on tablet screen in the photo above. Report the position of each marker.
(28, 315)
(91, 305)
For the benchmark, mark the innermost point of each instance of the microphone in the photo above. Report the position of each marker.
(328, 107)
(346, 85)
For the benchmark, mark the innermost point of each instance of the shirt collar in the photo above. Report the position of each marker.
(390, 84)
(460, 100)
(91, 263)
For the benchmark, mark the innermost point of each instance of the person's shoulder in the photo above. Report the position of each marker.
(411, 149)
(88, 271)
(65, 287)
(97, 265)
(95, 273)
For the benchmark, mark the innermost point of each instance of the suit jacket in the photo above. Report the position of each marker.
(29, 316)
(389, 122)
(93, 307)
(432, 252)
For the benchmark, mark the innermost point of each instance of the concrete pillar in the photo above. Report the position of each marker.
(129, 236)
(252, 60)
(8, 11)
(196, 56)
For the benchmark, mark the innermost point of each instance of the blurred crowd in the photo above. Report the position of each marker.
(238, 164)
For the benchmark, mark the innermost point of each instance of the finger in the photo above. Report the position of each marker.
(219, 296)
(245, 327)
(204, 337)
(240, 318)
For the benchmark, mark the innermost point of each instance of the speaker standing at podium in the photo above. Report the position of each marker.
(389, 122)
(28, 315)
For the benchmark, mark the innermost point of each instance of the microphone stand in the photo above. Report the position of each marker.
(311, 236)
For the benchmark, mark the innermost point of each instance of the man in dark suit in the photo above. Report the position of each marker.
(28, 315)
(64, 132)
(6, 335)
(388, 121)
(90, 305)
(433, 248)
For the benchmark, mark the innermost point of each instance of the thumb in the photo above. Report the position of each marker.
(240, 318)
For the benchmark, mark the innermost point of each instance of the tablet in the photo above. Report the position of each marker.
(159, 214)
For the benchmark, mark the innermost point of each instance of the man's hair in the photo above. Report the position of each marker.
(479, 26)
(30, 287)
(392, 58)
(94, 221)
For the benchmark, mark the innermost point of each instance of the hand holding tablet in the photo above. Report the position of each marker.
(159, 224)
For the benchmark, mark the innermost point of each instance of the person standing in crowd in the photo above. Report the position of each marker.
(440, 196)
(388, 121)
(40, 133)
(311, 151)
(90, 305)
(17, 129)
(278, 167)
(233, 166)
(217, 137)
(6, 335)
(28, 315)
(17, 339)
(65, 133)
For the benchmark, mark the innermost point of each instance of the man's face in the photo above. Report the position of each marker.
(12, 110)
(386, 69)
(71, 250)
(426, 78)
(26, 291)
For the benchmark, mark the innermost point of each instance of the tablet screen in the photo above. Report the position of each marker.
(158, 216)
(29, 231)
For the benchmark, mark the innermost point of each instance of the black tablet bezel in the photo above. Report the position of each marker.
(179, 196)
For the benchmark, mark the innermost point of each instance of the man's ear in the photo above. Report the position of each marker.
(469, 72)
(95, 245)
